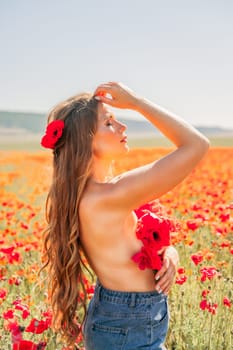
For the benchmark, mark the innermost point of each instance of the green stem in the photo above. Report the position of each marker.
(181, 319)
(211, 325)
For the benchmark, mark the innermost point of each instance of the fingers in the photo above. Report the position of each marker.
(102, 89)
(116, 94)
(104, 99)
(164, 285)
(163, 270)
(103, 93)
(165, 276)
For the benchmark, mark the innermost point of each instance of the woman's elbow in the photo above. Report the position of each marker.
(201, 147)
(205, 144)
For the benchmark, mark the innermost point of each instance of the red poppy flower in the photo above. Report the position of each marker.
(153, 207)
(7, 250)
(208, 272)
(226, 302)
(181, 280)
(37, 327)
(15, 256)
(8, 314)
(154, 232)
(210, 307)
(205, 292)
(19, 306)
(181, 270)
(25, 226)
(193, 224)
(16, 332)
(3, 293)
(28, 345)
(213, 308)
(224, 217)
(225, 244)
(204, 304)
(14, 280)
(53, 134)
(197, 258)
(142, 259)
(25, 314)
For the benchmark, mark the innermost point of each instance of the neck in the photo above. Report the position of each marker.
(102, 170)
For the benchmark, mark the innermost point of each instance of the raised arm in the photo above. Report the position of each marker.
(151, 181)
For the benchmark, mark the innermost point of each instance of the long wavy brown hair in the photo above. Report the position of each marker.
(62, 252)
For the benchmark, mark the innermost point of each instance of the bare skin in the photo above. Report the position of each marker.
(108, 222)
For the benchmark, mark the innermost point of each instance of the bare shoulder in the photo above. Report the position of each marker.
(149, 182)
(99, 202)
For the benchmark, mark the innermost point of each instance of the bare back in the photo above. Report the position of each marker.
(109, 240)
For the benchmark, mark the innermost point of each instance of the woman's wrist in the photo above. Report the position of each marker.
(140, 104)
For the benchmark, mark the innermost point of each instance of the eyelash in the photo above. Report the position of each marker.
(109, 122)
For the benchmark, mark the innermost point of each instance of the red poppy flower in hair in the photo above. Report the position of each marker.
(53, 134)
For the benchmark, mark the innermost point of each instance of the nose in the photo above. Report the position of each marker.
(122, 126)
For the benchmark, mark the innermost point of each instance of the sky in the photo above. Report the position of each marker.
(177, 53)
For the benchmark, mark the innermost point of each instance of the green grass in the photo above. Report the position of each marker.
(219, 141)
(20, 146)
(215, 141)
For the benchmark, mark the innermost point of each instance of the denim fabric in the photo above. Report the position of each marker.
(126, 320)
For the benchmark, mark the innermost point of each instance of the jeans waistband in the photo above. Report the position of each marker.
(130, 298)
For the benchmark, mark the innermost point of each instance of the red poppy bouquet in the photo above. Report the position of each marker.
(53, 134)
(153, 230)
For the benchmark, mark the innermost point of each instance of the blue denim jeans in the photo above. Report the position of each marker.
(126, 320)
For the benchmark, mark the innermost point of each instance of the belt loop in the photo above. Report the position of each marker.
(133, 300)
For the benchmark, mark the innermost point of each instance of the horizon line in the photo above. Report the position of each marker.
(127, 117)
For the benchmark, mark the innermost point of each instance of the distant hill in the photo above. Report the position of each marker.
(34, 123)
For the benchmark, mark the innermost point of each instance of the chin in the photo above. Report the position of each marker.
(127, 149)
(124, 151)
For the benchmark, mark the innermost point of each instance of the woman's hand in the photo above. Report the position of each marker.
(165, 276)
(116, 95)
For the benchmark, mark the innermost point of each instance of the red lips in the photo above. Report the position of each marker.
(124, 139)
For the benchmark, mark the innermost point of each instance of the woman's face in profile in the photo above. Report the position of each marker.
(110, 140)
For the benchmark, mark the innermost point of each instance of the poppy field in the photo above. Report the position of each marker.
(201, 298)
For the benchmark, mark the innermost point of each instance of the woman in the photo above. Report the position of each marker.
(93, 212)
